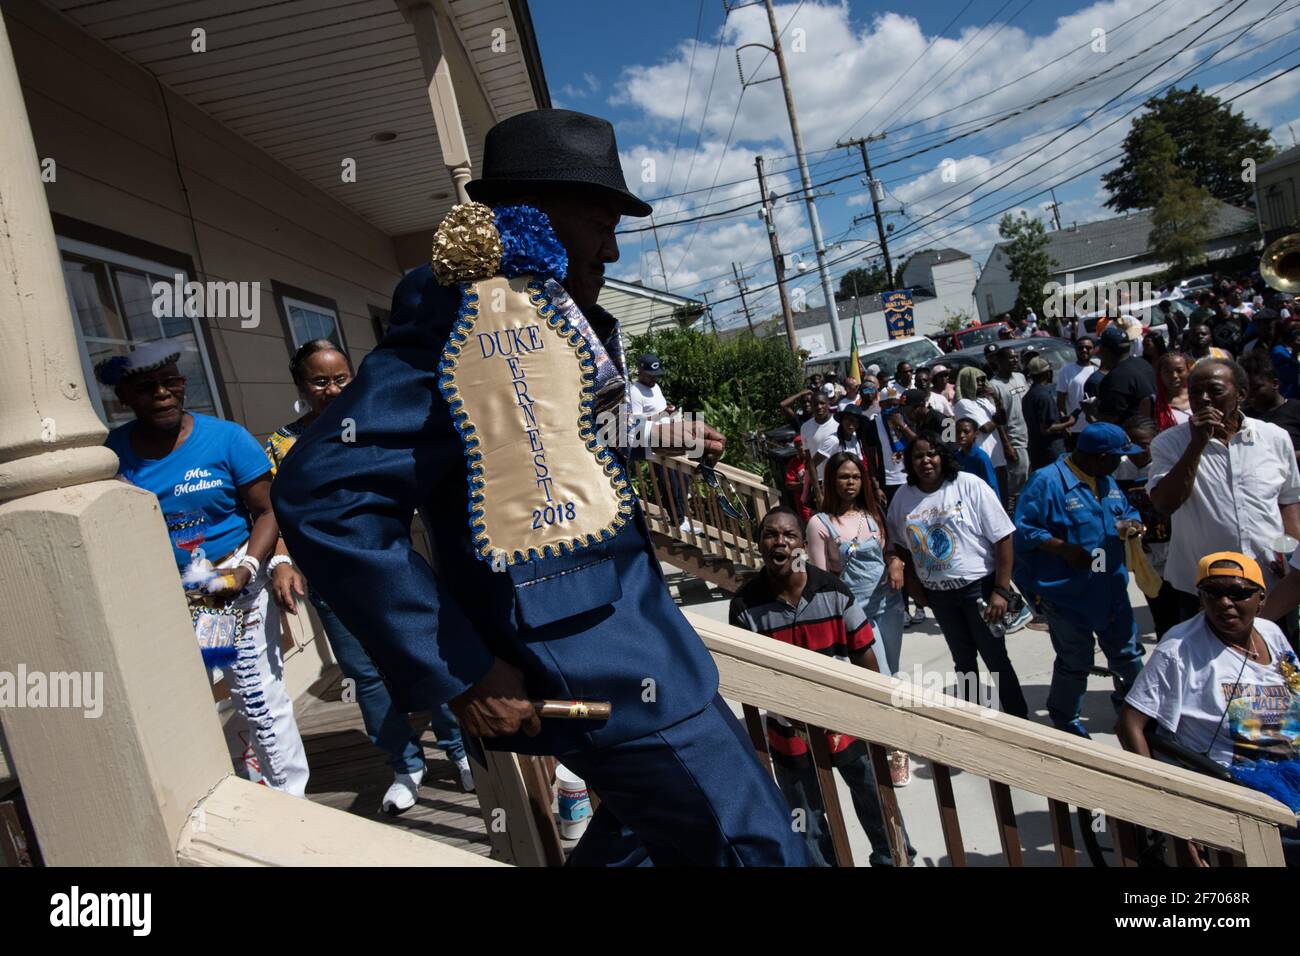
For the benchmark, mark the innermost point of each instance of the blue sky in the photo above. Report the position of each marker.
(922, 73)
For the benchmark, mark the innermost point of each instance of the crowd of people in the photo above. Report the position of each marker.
(997, 498)
(1001, 498)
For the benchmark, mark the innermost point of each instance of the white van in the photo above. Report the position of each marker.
(916, 350)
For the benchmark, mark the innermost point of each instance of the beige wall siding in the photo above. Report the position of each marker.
(102, 120)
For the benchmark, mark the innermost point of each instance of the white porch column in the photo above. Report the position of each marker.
(89, 584)
(442, 57)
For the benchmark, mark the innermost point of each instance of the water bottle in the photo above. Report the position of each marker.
(998, 628)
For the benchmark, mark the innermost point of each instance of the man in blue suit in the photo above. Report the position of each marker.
(678, 779)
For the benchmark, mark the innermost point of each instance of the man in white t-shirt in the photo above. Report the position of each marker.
(818, 431)
(647, 408)
(1070, 381)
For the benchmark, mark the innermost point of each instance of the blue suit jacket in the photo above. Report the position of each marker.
(597, 624)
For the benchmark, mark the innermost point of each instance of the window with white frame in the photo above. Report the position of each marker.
(112, 301)
(308, 321)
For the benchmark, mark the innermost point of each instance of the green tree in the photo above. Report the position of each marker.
(742, 380)
(1030, 264)
(868, 282)
(1180, 224)
(1210, 142)
(954, 321)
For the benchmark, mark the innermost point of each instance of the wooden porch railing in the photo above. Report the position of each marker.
(707, 527)
(1007, 751)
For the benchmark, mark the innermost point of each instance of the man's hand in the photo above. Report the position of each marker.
(1128, 528)
(692, 438)
(1076, 557)
(286, 582)
(1204, 424)
(498, 705)
(1013, 456)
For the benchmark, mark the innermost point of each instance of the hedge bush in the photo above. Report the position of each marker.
(736, 384)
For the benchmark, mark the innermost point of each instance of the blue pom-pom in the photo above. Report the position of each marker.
(1279, 779)
(110, 370)
(529, 245)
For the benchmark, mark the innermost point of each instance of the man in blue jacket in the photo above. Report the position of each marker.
(1071, 520)
(678, 779)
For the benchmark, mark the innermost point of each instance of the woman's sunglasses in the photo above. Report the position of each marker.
(1233, 592)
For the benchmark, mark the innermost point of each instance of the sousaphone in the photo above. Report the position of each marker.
(1280, 263)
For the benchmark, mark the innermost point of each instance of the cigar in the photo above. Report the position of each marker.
(573, 709)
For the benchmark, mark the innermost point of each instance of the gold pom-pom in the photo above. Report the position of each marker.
(466, 246)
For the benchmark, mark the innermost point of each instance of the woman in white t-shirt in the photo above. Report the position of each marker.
(949, 526)
(1226, 651)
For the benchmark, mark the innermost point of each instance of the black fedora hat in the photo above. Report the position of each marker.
(553, 148)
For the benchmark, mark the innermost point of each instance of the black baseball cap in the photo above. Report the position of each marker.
(649, 362)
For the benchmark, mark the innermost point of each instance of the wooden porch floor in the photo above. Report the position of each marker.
(349, 773)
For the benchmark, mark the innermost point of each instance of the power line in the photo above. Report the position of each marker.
(870, 109)
(690, 76)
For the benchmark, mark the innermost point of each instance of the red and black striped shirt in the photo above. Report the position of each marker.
(826, 621)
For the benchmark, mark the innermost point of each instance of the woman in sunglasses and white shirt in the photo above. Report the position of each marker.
(1226, 650)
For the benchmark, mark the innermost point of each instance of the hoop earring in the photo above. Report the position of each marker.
(300, 407)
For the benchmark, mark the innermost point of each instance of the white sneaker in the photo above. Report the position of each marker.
(466, 775)
(400, 797)
(687, 528)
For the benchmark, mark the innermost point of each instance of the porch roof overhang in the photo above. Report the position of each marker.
(315, 82)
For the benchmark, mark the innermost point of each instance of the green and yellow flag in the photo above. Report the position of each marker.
(855, 367)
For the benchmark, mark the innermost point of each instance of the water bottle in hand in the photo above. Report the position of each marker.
(998, 628)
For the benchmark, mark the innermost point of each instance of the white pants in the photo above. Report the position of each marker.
(258, 692)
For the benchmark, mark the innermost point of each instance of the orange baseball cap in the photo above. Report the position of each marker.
(1246, 568)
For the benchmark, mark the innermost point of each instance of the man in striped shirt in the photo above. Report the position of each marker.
(800, 604)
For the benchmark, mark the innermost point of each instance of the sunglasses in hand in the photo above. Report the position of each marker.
(729, 501)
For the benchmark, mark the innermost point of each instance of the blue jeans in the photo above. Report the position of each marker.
(889, 625)
(799, 784)
(671, 481)
(388, 728)
(1072, 640)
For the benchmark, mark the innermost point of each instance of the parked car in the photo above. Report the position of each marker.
(916, 350)
(1057, 352)
(970, 335)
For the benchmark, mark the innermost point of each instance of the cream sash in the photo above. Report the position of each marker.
(518, 378)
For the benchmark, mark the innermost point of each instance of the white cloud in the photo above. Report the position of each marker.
(846, 67)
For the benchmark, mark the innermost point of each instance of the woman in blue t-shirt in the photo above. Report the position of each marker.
(213, 485)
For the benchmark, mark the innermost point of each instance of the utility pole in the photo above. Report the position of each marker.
(740, 284)
(1056, 209)
(708, 311)
(805, 179)
(662, 271)
(768, 213)
(861, 144)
